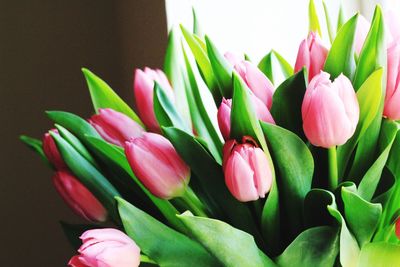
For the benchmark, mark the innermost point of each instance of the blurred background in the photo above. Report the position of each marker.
(44, 44)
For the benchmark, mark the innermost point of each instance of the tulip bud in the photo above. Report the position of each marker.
(224, 114)
(362, 30)
(330, 110)
(247, 170)
(312, 55)
(158, 166)
(51, 151)
(143, 88)
(255, 79)
(392, 98)
(106, 248)
(397, 227)
(78, 197)
(115, 127)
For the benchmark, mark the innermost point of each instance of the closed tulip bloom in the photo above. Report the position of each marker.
(157, 165)
(362, 30)
(255, 79)
(143, 87)
(224, 115)
(106, 248)
(115, 127)
(312, 55)
(51, 151)
(78, 197)
(392, 22)
(247, 170)
(397, 227)
(392, 98)
(330, 111)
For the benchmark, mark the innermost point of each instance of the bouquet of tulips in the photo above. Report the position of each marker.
(224, 162)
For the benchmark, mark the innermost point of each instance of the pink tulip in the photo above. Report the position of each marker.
(106, 248)
(362, 30)
(392, 98)
(224, 114)
(78, 197)
(393, 25)
(157, 165)
(51, 151)
(255, 79)
(143, 87)
(115, 127)
(330, 110)
(397, 227)
(312, 55)
(248, 174)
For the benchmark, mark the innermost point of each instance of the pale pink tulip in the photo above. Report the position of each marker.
(143, 88)
(224, 114)
(362, 30)
(392, 22)
(115, 127)
(312, 55)
(255, 79)
(330, 111)
(78, 197)
(106, 248)
(247, 170)
(51, 151)
(392, 98)
(158, 166)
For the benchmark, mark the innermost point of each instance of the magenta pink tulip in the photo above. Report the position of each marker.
(51, 151)
(78, 197)
(157, 165)
(247, 170)
(392, 98)
(106, 248)
(312, 55)
(115, 127)
(224, 114)
(255, 79)
(362, 30)
(143, 87)
(397, 227)
(330, 111)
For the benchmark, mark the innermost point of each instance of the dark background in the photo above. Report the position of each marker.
(43, 45)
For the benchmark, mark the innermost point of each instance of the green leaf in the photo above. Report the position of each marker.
(162, 244)
(328, 20)
(36, 146)
(340, 58)
(221, 69)
(369, 182)
(313, 18)
(380, 255)
(340, 20)
(287, 101)
(165, 111)
(271, 63)
(103, 190)
(369, 98)
(201, 118)
(362, 216)
(316, 247)
(115, 156)
(295, 166)
(232, 247)
(196, 25)
(104, 97)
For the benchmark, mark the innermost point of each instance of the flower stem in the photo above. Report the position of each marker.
(193, 203)
(333, 168)
(144, 258)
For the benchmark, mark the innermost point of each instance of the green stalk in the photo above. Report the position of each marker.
(193, 203)
(333, 168)
(146, 259)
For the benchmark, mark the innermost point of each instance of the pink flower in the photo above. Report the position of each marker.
(397, 227)
(312, 55)
(248, 174)
(255, 79)
(157, 165)
(78, 197)
(392, 98)
(330, 110)
(143, 87)
(115, 127)
(224, 115)
(106, 248)
(362, 30)
(392, 22)
(51, 151)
